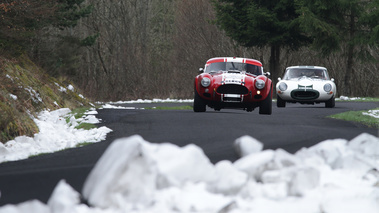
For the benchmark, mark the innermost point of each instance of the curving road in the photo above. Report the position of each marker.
(289, 128)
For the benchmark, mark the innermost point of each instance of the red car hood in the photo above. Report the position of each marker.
(230, 78)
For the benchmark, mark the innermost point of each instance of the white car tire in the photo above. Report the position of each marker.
(280, 102)
(330, 103)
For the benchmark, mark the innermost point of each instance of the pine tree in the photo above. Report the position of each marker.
(69, 12)
(261, 23)
(20, 20)
(341, 25)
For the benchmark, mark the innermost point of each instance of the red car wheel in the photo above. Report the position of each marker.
(266, 105)
(198, 103)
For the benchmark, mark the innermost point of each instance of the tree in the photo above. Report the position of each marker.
(261, 23)
(350, 26)
(20, 20)
(69, 12)
(370, 18)
(57, 47)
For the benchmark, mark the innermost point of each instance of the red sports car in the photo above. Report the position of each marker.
(230, 82)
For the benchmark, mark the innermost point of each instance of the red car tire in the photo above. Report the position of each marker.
(266, 106)
(199, 104)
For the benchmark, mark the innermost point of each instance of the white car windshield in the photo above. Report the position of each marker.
(306, 72)
(233, 66)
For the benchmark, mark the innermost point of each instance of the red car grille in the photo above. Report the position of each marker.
(232, 89)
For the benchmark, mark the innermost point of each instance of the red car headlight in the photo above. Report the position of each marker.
(260, 84)
(205, 82)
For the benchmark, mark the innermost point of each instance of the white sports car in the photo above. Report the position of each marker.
(306, 85)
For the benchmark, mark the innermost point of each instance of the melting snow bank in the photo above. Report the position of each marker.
(136, 176)
(54, 134)
(345, 98)
(155, 100)
(373, 113)
(110, 105)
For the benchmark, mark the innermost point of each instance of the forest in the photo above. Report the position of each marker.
(127, 49)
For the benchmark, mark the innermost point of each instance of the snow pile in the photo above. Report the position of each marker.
(54, 134)
(166, 178)
(34, 94)
(155, 100)
(61, 89)
(14, 97)
(110, 106)
(71, 88)
(345, 98)
(136, 176)
(373, 113)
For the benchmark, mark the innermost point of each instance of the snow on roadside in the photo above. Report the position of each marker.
(54, 134)
(333, 176)
(345, 98)
(110, 106)
(373, 113)
(155, 100)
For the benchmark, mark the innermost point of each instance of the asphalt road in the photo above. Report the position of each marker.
(289, 128)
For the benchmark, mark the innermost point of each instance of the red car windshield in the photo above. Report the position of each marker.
(233, 66)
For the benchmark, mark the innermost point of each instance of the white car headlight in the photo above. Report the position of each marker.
(259, 84)
(205, 82)
(327, 87)
(283, 86)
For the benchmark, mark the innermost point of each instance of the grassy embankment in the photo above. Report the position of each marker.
(25, 90)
